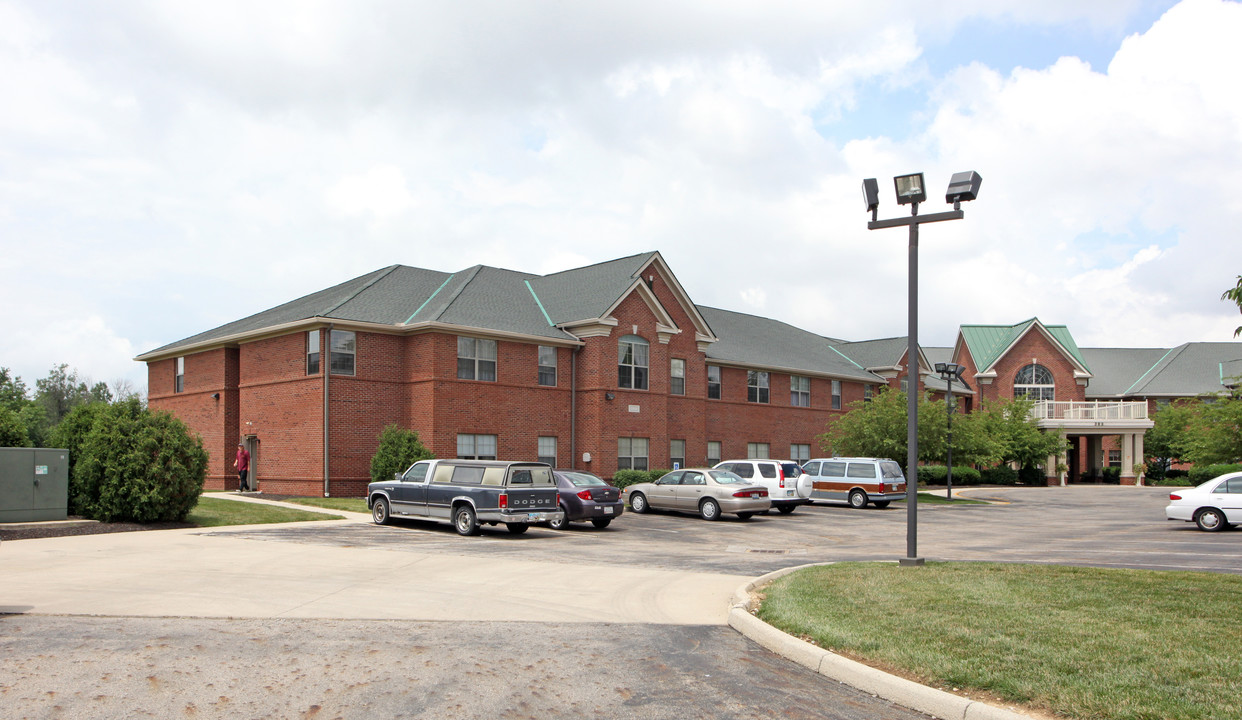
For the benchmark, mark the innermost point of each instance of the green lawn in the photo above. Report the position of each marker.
(929, 499)
(213, 512)
(1085, 643)
(349, 504)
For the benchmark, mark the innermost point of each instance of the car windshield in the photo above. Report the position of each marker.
(584, 480)
(724, 477)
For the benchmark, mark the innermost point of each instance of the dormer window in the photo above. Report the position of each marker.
(632, 364)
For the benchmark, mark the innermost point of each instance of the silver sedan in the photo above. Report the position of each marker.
(700, 490)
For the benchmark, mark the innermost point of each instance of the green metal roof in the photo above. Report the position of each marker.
(987, 342)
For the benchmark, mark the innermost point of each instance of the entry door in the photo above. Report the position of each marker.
(252, 447)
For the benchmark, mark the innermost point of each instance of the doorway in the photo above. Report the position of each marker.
(251, 444)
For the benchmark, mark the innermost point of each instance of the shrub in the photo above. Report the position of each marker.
(71, 434)
(653, 475)
(398, 449)
(1032, 475)
(140, 466)
(1200, 474)
(1111, 475)
(938, 475)
(1167, 481)
(1000, 475)
(625, 478)
(12, 429)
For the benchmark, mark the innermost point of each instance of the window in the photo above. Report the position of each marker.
(677, 377)
(476, 359)
(756, 386)
(677, 453)
(836, 394)
(547, 366)
(631, 453)
(547, 450)
(312, 352)
(713, 452)
(632, 363)
(342, 352)
(867, 391)
(905, 384)
(1114, 458)
(476, 447)
(1034, 382)
(861, 470)
(713, 382)
(179, 381)
(757, 451)
(799, 391)
(799, 453)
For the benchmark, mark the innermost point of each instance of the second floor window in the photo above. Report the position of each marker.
(547, 366)
(632, 363)
(343, 352)
(179, 381)
(677, 377)
(476, 359)
(756, 386)
(713, 382)
(867, 390)
(312, 352)
(799, 391)
(836, 394)
(1034, 382)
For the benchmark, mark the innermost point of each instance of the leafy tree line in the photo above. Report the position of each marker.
(28, 417)
(997, 433)
(1201, 431)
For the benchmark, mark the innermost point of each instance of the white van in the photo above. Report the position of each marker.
(857, 481)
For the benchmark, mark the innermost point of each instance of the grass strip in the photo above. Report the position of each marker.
(348, 504)
(930, 499)
(1086, 643)
(214, 512)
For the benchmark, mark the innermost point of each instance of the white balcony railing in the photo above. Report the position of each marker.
(1049, 410)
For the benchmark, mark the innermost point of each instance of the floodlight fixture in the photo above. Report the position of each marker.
(910, 188)
(871, 194)
(963, 186)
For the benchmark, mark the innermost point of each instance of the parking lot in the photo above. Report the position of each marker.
(351, 619)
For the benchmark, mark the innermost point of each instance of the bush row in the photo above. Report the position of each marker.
(1201, 474)
(938, 474)
(624, 478)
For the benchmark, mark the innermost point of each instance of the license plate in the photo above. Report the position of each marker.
(608, 510)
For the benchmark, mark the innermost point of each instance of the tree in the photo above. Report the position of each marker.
(398, 449)
(61, 391)
(138, 465)
(13, 392)
(878, 429)
(71, 434)
(1235, 294)
(1202, 431)
(12, 429)
(1167, 439)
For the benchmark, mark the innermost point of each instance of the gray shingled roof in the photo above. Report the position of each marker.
(885, 352)
(587, 292)
(1189, 369)
(762, 342)
(1116, 370)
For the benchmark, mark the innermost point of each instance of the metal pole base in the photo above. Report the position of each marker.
(910, 562)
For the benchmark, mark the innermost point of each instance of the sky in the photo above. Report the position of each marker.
(168, 167)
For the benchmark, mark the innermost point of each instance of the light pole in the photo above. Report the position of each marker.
(948, 372)
(911, 191)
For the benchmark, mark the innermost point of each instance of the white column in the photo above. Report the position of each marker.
(1139, 455)
(1127, 457)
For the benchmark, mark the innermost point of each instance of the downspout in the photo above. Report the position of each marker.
(573, 407)
(325, 361)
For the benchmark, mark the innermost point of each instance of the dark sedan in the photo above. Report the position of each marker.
(586, 497)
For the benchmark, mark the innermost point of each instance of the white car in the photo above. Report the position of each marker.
(1214, 505)
(788, 487)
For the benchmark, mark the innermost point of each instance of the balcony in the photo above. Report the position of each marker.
(1094, 415)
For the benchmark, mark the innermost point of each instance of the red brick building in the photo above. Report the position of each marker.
(603, 367)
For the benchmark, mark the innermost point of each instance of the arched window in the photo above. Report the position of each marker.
(633, 353)
(1035, 383)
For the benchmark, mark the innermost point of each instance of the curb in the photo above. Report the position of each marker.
(904, 692)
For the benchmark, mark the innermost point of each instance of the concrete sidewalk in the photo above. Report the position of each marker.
(233, 572)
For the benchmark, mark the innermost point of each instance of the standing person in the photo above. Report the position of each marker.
(242, 463)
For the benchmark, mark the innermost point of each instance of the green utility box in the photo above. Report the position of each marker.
(34, 484)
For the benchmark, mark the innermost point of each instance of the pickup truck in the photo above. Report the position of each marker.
(469, 493)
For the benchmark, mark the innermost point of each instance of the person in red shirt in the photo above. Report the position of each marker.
(242, 463)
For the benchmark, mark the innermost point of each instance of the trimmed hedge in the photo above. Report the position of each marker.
(999, 475)
(624, 478)
(938, 475)
(1201, 474)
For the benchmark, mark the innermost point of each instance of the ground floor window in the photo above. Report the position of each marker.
(677, 453)
(1114, 458)
(631, 453)
(799, 453)
(713, 452)
(476, 447)
(547, 450)
(757, 451)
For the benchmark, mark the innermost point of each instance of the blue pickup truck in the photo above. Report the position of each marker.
(469, 493)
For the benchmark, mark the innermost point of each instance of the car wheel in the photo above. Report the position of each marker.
(1211, 520)
(379, 511)
(464, 520)
(517, 528)
(601, 523)
(786, 509)
(709, 509)
(638, 503)
(881, 503)
(562, 523)
(745, 516)
(858, 499)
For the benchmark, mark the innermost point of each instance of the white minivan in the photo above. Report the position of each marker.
(857, 481)
(787, 486)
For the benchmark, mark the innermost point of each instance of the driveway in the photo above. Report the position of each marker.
(349, 619)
